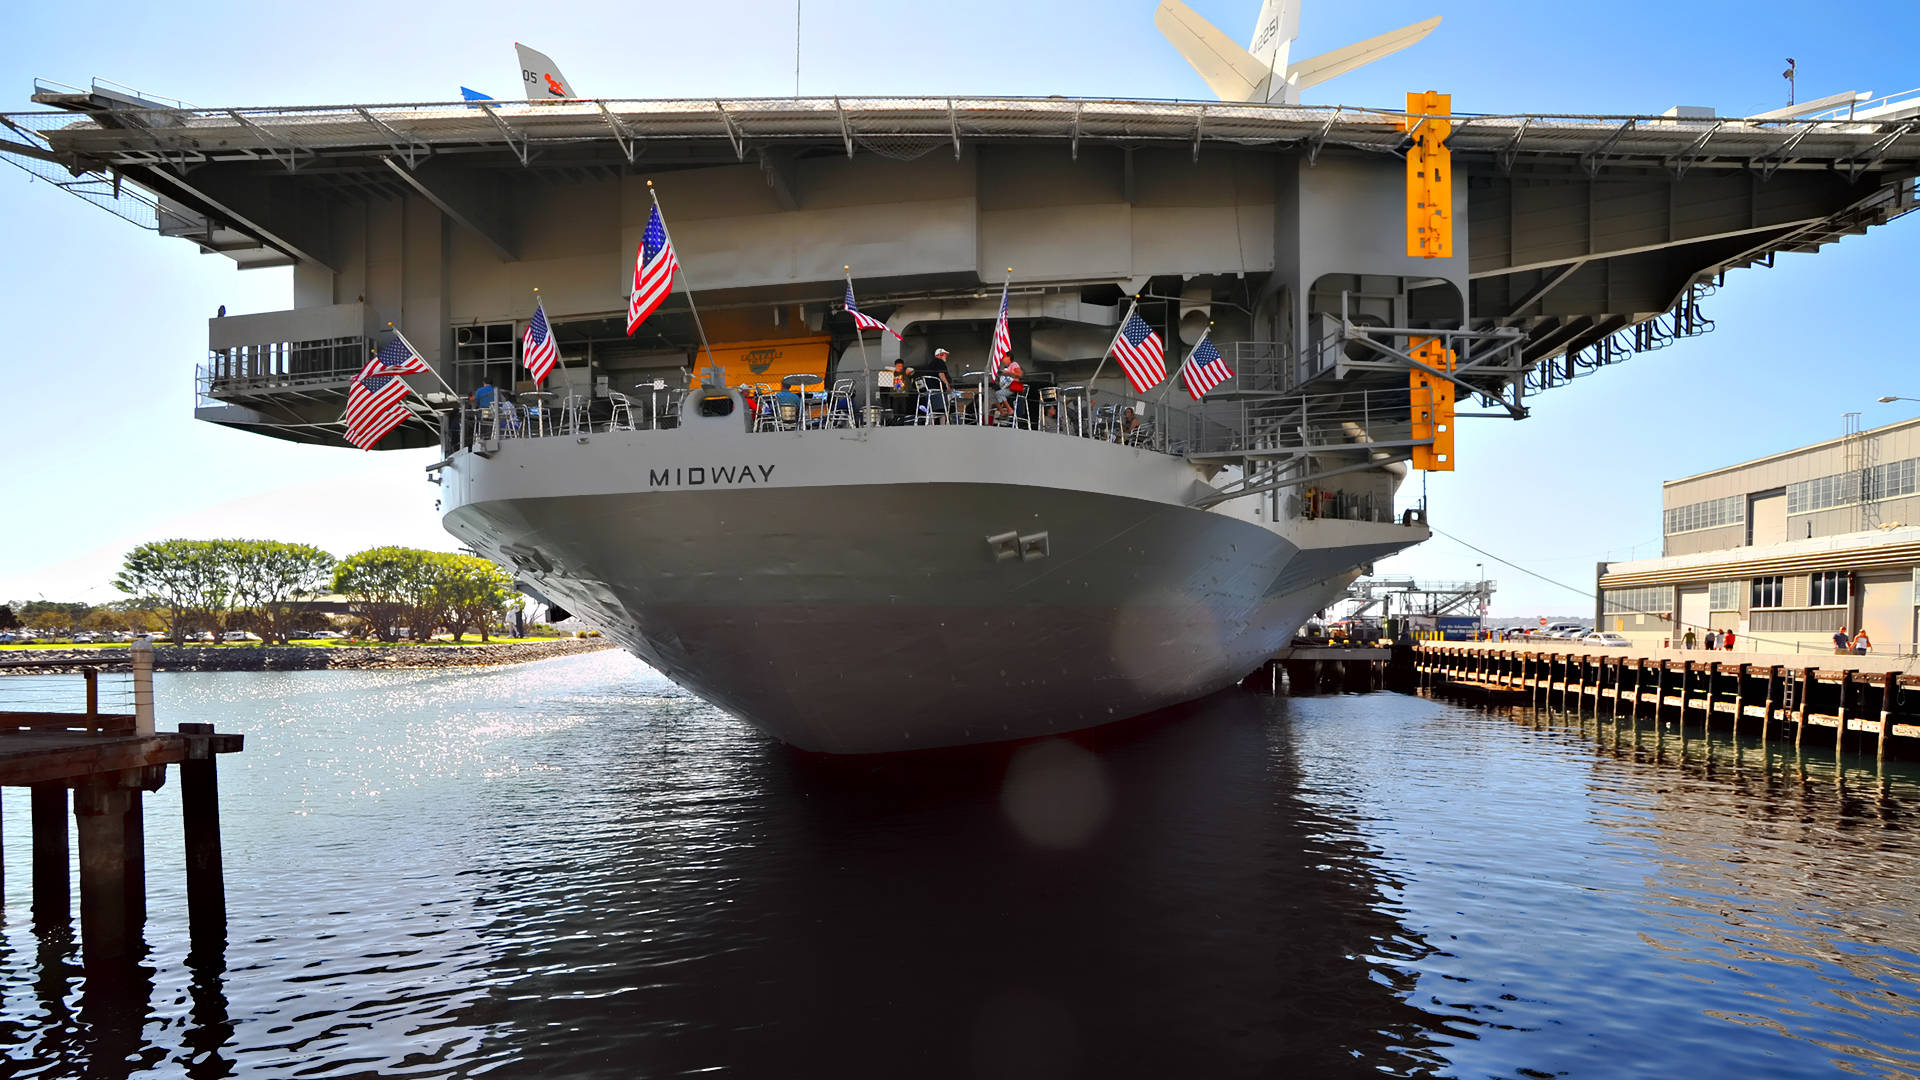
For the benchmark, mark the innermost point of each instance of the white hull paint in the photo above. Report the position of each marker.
(838, 590)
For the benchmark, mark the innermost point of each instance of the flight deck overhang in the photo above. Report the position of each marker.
(1588, 237)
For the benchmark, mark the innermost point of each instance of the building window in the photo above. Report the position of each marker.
(1768, 592)
(1828, 588)
(1892, 479)
(1657, 601)
(1711, 514)
(1889, 481)
(1723, 595)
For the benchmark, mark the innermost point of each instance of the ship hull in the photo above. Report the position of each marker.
(860, 617)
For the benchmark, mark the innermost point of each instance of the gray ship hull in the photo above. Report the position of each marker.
(844, 606)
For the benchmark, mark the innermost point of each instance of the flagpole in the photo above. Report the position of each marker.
(990, 376)
(1164, 394)
(430, 370)
(859, 335)
(1102, 365)
(682, 272)
(565, 375)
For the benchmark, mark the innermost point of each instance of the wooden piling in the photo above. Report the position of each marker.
(1889, 688)
(134, 843)
(1739, 697)
(1806, 700)
(1772, 704)
(100, 808)
(200, 820)
(52, 878)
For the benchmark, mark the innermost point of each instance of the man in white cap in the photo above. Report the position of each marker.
(936, 368)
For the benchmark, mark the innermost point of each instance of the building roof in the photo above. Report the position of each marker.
(1784, 454)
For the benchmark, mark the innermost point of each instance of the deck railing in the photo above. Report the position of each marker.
(1351, 430)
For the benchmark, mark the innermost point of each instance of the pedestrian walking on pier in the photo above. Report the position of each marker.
(1687, 641)
(1729, 640)
(1860, 643)
(1840, 640)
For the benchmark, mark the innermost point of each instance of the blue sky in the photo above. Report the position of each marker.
(102, 451)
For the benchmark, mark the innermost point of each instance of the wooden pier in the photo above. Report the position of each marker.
(108, 761)
(1770, 700)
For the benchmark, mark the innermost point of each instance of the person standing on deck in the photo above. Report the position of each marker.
(1687, 640)
(1860, 643)
(1729, 643)
(1840, 640)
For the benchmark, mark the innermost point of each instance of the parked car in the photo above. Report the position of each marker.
(203, 636)
(1607, 639)
(239, 635)
(85, 637)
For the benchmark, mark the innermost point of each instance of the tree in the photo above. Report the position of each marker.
(474, 591)
(49, 615)
(270, 577)
(386, 585)
(8, 620)
(188, 580)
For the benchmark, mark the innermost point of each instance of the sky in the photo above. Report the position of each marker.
(99, 450)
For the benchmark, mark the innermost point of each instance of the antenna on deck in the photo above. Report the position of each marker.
(1788, 75)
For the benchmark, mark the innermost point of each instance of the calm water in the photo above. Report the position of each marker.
(572, 869)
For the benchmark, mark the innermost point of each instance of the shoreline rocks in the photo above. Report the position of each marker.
(322, 657)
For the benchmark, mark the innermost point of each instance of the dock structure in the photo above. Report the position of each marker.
(1773, 698)
(100, 765)
(1314, 669)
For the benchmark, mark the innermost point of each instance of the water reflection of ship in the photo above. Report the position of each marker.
(866, 916)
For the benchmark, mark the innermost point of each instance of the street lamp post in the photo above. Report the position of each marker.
(1890, 398)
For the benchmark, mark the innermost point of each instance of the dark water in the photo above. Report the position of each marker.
(573, 869)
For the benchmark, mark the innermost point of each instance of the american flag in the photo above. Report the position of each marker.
(653, 270)
(862, 320)
(1204, 368)
(374, 398)
(1143, 356)
(1002, 340)
(537, 349)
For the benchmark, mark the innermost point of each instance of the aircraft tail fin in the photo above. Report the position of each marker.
(1262, 72)
(1316, 70)
(541, 75)
(1230, 71)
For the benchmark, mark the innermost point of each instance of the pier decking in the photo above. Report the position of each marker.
(1763, 694)
(109, 761)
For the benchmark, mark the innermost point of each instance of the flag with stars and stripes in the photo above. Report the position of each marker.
(538, 351)
(1204, 368)
(373, 401)
(1002, 341)
(862, 320)
(653, 270)
(1143, 356)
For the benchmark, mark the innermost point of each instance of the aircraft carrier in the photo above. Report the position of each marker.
(863, 587)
